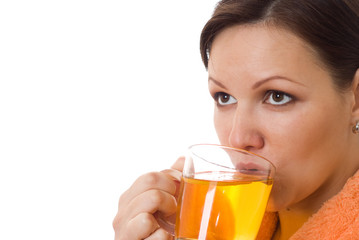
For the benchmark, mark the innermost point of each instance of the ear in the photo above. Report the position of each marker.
(355, 90)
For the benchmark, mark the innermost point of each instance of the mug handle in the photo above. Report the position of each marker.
(167, 223)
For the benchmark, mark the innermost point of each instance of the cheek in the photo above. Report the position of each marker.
(308, 148)
(297, 144)
(308, 135)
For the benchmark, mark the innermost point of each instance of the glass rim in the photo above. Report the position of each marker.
(234, 149)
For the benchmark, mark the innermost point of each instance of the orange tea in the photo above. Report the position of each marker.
(228, 206)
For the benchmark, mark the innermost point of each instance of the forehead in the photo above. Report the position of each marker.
(259, 49)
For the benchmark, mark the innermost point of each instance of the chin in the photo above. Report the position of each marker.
(272, 206)
(276, 201)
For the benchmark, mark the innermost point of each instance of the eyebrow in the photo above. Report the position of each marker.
(261, 82)
(257, 84)
(216, 82)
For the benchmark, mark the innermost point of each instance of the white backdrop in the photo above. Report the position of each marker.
(92, 95)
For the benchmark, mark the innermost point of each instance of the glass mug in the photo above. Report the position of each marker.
(223, 194)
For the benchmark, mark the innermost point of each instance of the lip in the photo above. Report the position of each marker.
(249, 166)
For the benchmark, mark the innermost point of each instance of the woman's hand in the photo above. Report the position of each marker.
(151, 193)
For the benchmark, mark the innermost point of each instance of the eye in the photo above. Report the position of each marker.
(224, 99)
(277, 98)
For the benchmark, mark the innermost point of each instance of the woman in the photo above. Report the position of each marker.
(285, 79)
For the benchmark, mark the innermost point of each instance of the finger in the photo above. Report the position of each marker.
(176, 176)
(148, 181)
(152, 201)
(141, 226)
(173, 174)
(178, 165)
(176, 173)
(160, 234)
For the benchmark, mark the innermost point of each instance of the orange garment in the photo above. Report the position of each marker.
(337, 219)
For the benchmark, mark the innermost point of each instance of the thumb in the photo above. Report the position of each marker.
(175, 172)
(178, 165)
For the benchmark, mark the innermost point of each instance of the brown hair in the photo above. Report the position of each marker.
(330, 27)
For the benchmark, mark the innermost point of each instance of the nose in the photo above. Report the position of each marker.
(245, 132)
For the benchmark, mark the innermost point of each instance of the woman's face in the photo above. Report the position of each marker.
(274, 98)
